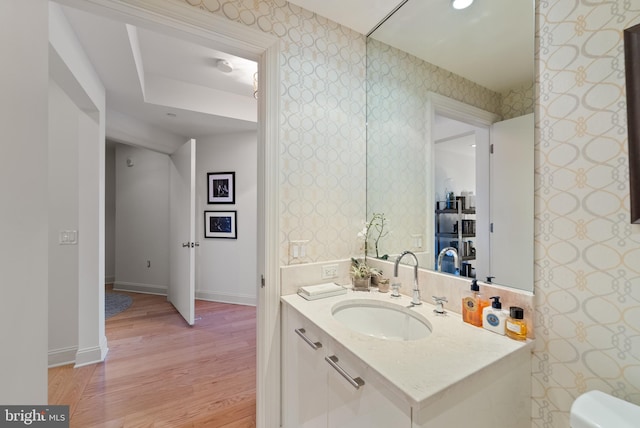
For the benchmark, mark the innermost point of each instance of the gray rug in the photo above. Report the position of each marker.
(114, 303)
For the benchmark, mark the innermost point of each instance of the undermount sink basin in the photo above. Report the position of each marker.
(382, 320)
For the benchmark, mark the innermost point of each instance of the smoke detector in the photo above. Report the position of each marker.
(224, 66)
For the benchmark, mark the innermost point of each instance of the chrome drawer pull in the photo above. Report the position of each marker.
(333, 362)
(315, 345)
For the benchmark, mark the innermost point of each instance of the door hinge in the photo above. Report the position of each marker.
(491, 148)
(491, 228)
(262, 281)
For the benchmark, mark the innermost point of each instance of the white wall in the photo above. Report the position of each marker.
(63, 215)
(455, 172)
(226, 269)
(142, 220)
(110, 214)
(23, 211)
(70, 68)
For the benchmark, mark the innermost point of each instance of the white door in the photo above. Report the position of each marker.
(182, 234)
(511, 239)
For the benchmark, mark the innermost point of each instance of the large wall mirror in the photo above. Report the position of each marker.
(450, 136)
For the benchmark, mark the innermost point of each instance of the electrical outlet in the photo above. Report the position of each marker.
(329, 271)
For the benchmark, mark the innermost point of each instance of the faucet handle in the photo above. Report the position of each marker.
(396, 289)
(439, 304)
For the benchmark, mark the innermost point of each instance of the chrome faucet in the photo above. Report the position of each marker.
(451, 251)
(416, 291)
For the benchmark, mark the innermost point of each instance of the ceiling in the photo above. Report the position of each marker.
(175, 87)
(166, 83)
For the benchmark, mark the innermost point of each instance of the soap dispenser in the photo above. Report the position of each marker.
(493, 317)
(473, 305)
(516, 327)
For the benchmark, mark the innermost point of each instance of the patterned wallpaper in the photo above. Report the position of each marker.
(518, 101)
(587, 254)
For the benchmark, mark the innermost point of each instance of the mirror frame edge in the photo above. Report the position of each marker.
(632, 68)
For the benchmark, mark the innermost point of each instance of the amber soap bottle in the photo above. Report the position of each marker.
(516, 328)
(473, 305)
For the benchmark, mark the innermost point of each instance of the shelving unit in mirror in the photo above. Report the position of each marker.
(455, 227)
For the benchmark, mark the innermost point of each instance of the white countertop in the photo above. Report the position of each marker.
(421, 369)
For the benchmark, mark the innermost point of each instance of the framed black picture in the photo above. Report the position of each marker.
(221, 187)
(220, 224)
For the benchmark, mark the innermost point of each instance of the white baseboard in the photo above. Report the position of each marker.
(140, 288)
(235, 299)
(109, 279)
(92, 355)
(62, 356)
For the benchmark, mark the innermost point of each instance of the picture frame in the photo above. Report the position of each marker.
(221, 188)
(220, 224)
(632, 71)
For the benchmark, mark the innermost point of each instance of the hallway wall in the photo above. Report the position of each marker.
(76, 315)
(110, 214)
(226, 269)
(142, 220)
(63, 215)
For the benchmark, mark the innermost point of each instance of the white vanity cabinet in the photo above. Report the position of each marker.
(458, 376)
(304, 373)
(325, 385)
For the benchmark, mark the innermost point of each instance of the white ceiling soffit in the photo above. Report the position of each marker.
(490, 43)
(166, 82)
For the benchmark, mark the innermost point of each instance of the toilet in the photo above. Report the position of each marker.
(595, 409)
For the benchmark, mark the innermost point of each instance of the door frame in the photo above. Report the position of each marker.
(181, 20)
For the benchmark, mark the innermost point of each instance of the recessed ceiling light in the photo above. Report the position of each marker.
(461, 4)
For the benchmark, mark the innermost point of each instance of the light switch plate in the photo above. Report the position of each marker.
(68, 237)
(298, 250)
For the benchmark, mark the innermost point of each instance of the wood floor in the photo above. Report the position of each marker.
(160, 372)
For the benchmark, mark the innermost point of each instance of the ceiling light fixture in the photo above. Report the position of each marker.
(224, 66)
(461, 4)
